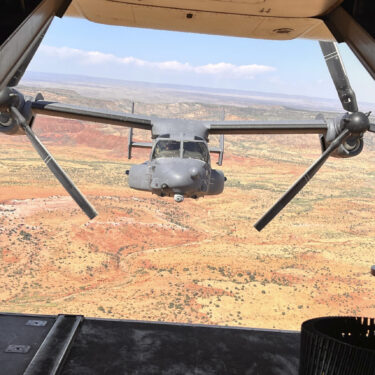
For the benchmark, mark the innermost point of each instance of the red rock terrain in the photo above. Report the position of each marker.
(201, 261)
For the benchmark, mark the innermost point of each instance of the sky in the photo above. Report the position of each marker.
(297, 67)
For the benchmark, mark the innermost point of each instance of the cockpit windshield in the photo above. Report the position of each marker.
(171, 149)
(196, 150)
(167, 149)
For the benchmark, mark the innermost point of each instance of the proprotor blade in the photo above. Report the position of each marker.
(339, 76)
(51, 163)
(300, 183)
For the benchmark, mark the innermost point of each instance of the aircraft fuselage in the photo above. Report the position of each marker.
(178, 167)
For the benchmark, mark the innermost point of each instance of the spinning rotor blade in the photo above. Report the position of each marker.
(300, 183)
(51, 163)
(339, 76)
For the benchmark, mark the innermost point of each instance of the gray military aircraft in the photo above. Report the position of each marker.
(179, 163)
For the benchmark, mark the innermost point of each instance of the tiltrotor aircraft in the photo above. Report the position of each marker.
(179, 163)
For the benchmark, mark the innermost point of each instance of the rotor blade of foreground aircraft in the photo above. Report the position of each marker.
(87, 114)
(51, 163)
(300, 183)
(269, 127)
(339, 76)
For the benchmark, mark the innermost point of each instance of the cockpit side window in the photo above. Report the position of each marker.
(166, 149)
(196, 150)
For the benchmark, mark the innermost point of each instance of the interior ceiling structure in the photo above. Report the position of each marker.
(264, 19)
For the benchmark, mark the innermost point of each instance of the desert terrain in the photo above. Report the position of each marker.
(201, 261)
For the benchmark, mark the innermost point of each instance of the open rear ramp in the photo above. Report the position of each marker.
(67, 344)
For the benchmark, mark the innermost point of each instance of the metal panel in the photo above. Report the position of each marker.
(103, 346)
(143, 348)
(271, 8)
(14, 332)
(22, 42)
(346, 29)
(54, 349)
(188, 19)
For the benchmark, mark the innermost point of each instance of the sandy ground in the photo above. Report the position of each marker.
(201, 261)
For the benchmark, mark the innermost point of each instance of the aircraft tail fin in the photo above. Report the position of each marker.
(219, 150)
(132, 144)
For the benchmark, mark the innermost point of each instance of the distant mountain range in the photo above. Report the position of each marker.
(105, 88)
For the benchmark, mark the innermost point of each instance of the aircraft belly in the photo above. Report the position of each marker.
(213, 17)
(176, 186)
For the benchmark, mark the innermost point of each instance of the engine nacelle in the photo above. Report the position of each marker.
(216, 182)
(10, 97)
(139, 177)
(9, 126)
(352, 146)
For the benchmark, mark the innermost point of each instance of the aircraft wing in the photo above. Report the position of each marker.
(269, 127)
(92, 115)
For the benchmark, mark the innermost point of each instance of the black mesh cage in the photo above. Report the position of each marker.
(338, 346)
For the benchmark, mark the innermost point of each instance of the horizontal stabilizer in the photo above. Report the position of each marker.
(142, 144)
(215, 150)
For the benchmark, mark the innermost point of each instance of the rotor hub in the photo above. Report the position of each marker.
(10, 97)
(356, 122)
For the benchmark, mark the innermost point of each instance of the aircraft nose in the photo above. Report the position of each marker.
(184, 176)
(183, 179)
